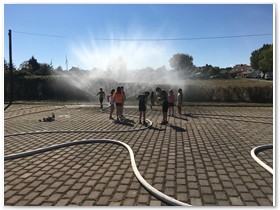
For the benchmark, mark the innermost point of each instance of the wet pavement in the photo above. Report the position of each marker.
(201, 158)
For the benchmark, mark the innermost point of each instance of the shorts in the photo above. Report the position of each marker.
(142, 107)
(119, 104)
(165, 106)
(101, 100)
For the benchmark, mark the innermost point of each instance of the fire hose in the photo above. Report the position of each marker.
(159, 195)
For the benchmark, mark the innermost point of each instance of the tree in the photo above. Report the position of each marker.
(182, 62)
(45, 69)
(6, 66)
(59, 69)
(34, 64)
(266, 60)
(25, 67)
(214, 71)
(262, 59)
(254, 59)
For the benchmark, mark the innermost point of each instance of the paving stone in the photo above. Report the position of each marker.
(54, 197)
(155, 203)
(236, 201)
(115, 204)
(103, 201)
(143, 199)
(63, 202)
(94, 195)
(196, 202)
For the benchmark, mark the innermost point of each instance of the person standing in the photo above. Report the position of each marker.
(180, 101)
(171, 102)
(101, 94)
(124, 99)
(119, 100)
(111, 100)
(143, 98)
(152, 97)
(162, 96)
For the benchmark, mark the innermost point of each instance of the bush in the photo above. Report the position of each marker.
(252, 94)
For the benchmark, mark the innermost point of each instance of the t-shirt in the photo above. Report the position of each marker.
(142, 99)
(111, 100)
(180, 99)
(171, 99)
(164, 96)
(118, 98)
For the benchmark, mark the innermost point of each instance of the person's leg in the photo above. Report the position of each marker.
(165, 117)
(111, 112)
(179, 109)
(100, 101)
(140, 116)
(144, 117)
(118, 112)
(169, 110)
(163, 110)
(122, 109)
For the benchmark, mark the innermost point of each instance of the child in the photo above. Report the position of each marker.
(101, 94)
(162, 96)
(152, 99)
(180, 101)
(119, 102)
(143, 98)
(171, 101)
(124, 99)
(111, 100)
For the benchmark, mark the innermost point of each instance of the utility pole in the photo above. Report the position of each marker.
(11, 68)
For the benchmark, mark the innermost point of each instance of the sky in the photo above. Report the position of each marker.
(138, 35)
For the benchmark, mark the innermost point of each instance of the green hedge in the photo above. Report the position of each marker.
(60, 87)
(43, 88)
(252, 94)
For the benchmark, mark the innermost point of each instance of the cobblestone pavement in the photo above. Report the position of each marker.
(201, 158)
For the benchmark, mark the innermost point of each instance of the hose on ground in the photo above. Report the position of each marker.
(258, 149)
(161, 196)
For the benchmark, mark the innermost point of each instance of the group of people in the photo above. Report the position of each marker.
(167, 100)
(116, 98)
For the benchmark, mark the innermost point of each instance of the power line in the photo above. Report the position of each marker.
(183, 39)
(34, 34)
(154, 39)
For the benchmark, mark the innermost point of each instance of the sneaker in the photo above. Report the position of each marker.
(140, 122)
(164, 123)
(145, 123)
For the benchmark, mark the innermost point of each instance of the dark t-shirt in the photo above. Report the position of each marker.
(164, 96)
(142, 102)
(142, 99)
